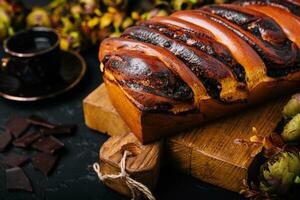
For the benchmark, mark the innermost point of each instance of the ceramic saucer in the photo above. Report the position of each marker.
(72, 70)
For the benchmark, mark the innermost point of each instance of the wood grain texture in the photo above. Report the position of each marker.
(105, 118)
(142, 165)
(209, 153)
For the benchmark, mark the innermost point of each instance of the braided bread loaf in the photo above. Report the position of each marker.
(173, 73)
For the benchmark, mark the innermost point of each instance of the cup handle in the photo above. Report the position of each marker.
(4, 62)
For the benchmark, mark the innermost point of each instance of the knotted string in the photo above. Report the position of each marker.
(132, 184)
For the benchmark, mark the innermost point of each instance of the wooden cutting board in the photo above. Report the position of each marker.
(207, 153)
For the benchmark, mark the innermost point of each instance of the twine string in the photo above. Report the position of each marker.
(134, 186)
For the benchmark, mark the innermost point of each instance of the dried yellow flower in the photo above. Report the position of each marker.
(106, 20)
(127, 22)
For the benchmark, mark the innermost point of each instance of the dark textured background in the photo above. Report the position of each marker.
(74, 178)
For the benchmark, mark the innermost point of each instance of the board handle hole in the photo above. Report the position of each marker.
(133, 148)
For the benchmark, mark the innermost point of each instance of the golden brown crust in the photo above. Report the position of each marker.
(288, 22)
(181, 23)
(289, 5)
(241, 51)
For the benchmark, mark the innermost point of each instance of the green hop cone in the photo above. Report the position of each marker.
(291, 131)
(38, 17)
(292, 107)
(4, 24)
(280, 173)
(6, 28)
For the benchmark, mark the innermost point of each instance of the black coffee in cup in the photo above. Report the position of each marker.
(33, 56)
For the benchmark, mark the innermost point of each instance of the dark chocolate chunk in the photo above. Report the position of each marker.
(17, 126)
(27, 139)
(14, 160)
(44, 162)
(16, 179)
(48, 144)
(36, 120)
(5, 139)
(67, 129)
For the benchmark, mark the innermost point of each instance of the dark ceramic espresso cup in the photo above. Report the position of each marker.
(33, 56)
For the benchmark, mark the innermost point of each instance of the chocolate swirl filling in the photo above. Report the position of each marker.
(201, 42)
(280, 55)
(140, 72)
(208, 69)
(290, 5)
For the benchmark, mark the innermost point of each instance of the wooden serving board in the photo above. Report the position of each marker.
(207, 153)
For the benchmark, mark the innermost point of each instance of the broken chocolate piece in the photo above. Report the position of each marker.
(48, 144)
(44, 162)
(17, 126)
(67, 129)
(14, 160)
(38, 121)
(27, 139)
(16, 179)
(5, 139)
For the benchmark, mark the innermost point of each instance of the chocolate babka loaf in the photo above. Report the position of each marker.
(173, 73)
